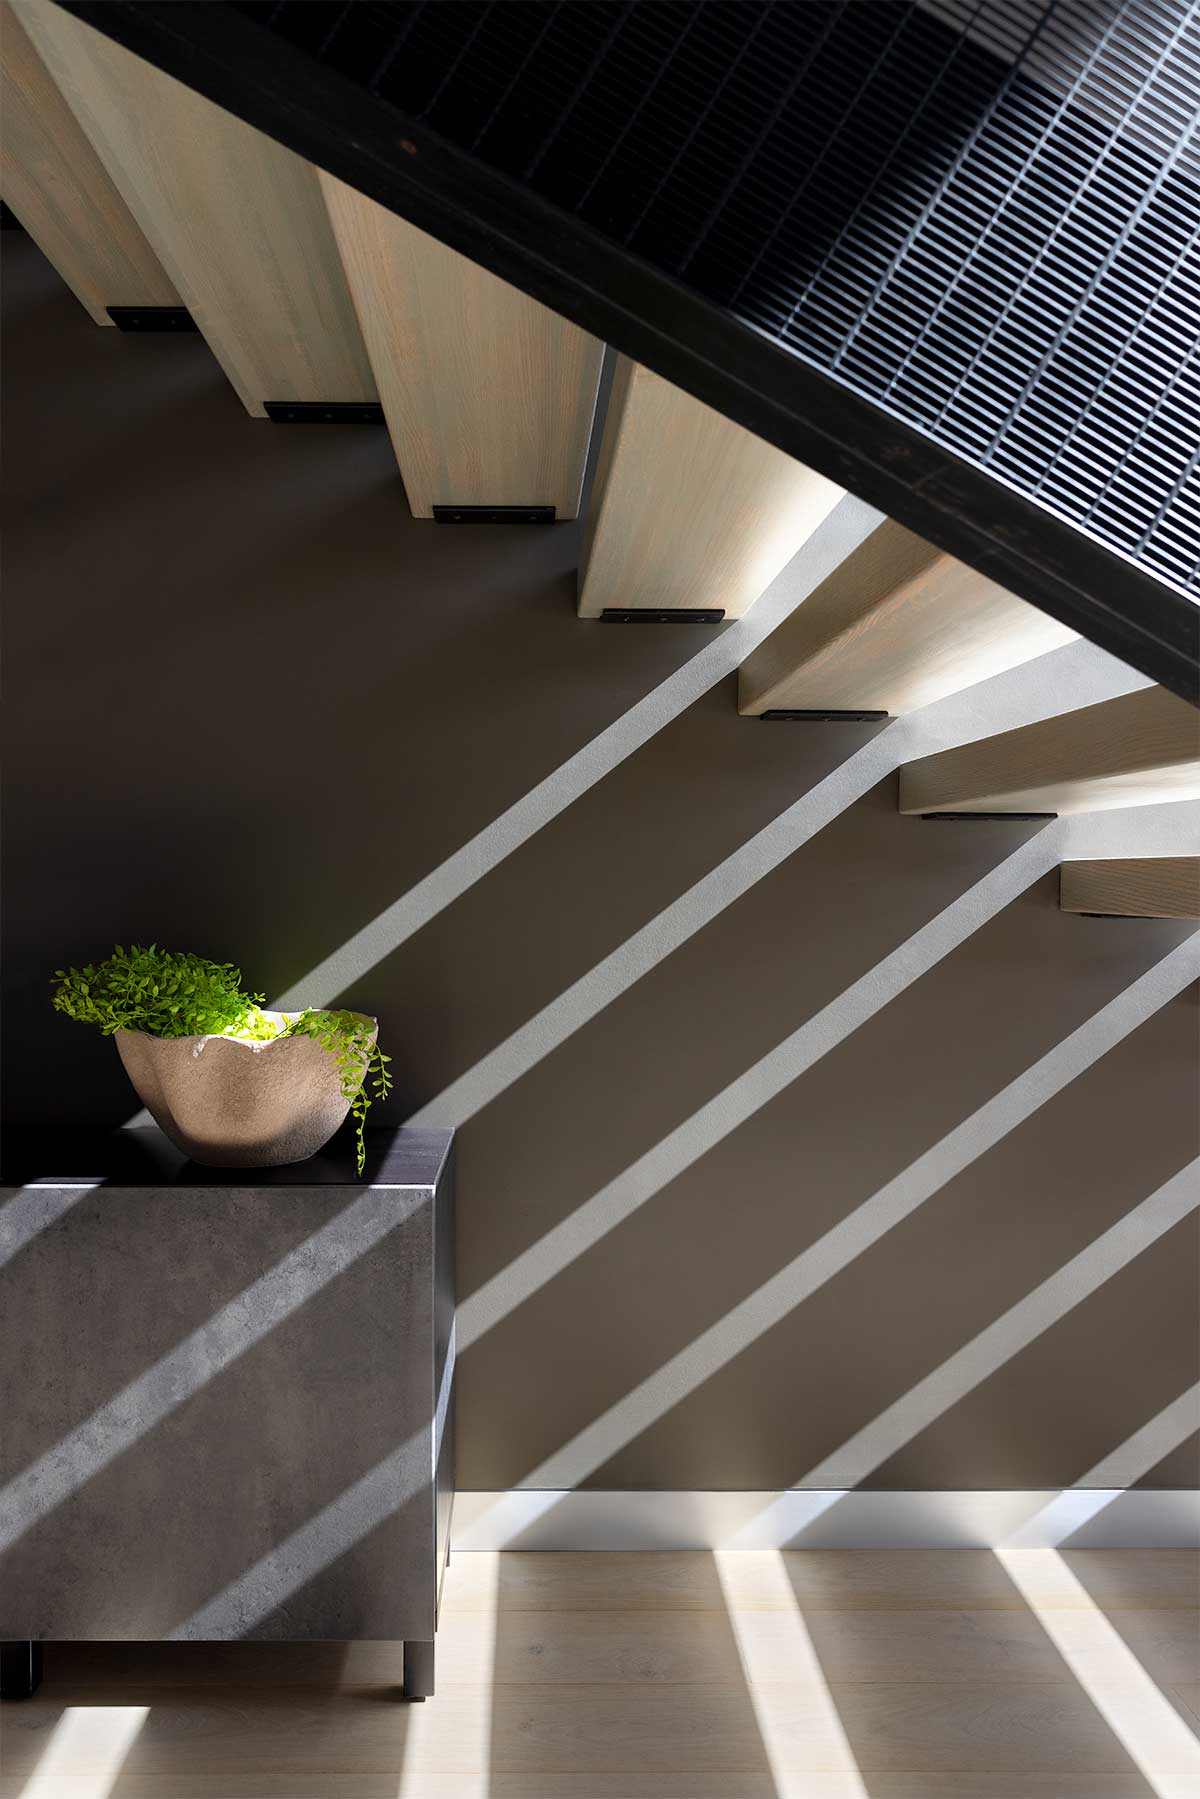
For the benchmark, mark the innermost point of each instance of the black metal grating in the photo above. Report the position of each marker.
(981, 214)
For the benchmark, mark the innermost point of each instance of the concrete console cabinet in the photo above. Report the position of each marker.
(229, 1396)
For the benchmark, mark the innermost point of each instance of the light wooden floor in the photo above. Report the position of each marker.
(808, 1675)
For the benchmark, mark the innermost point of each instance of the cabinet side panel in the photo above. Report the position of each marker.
(444, 1359)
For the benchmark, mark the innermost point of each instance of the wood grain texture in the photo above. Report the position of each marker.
(61, 192)
(489, 396)
(781, 1783)
(898, 1694)
(1188, 1696)
(1133, 887)
(1136, 750)
(689, 509)
(621, 1648)
(824, 1580)
(1030, 1727)
(237, 221)
(898, 625)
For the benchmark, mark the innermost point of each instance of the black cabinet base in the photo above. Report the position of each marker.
(418, 1670)
(21, 1669)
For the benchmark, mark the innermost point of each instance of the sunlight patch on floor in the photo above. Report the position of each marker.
(1137, 1713)
(89, 1743)
(426, 1749)
(775, 1675)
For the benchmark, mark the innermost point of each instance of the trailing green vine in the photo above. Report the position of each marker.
(170, 994)
(349, 1038)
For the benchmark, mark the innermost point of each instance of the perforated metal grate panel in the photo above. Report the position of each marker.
(982, 214)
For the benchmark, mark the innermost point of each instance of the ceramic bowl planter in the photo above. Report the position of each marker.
(230, 1103)
(231, 1084)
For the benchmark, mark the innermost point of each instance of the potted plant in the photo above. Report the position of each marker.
(232, 1085)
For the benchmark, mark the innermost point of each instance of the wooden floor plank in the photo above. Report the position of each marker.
(824, 1580)
(659, 1648)
(622, 1677)
(888, 1727)
(996, 1647)
(492, 1785)
(1187, 1695)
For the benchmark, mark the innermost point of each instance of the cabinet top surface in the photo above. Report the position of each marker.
(146, 1158)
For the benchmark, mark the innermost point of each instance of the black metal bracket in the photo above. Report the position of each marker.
(324, 412)
(152, 318)
(783, 715)
(663, 615)
(1007, 817)
(493, 515)
(20, 1669)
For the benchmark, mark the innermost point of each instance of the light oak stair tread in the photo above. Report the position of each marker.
(236, 219)
(489, 396)
(689, 510)
(897, 625)
(62, 193)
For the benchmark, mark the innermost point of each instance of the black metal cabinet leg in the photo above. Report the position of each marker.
(21, 1669)
(418, 1670)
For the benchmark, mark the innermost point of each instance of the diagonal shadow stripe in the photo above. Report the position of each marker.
(202, 1355)
(776, 1667)
(1112, 1476)
(1021, 1325)
(1154, 1735)
(848, 525)
(1135, 1457)
(1078, 678)
(673, 926)
(752, 1090)
(33, 1210)
(374, 1498)
(972, 1364)
(392, 1483)
(950, 721)
(769, 1304)
(337, 1527)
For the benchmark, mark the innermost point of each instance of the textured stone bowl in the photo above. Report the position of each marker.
(231, 1104)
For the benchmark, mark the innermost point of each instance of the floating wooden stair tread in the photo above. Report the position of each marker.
(690, 511)
(1133, 887)
(897, 625)
(489, 396)
(237, 221)
(1137, 750)
(61, 192)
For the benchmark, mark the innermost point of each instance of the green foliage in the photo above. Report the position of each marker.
(179, 995)
(162, 994)
(348, 1038)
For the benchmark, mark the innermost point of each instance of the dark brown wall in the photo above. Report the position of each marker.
(250, 703)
